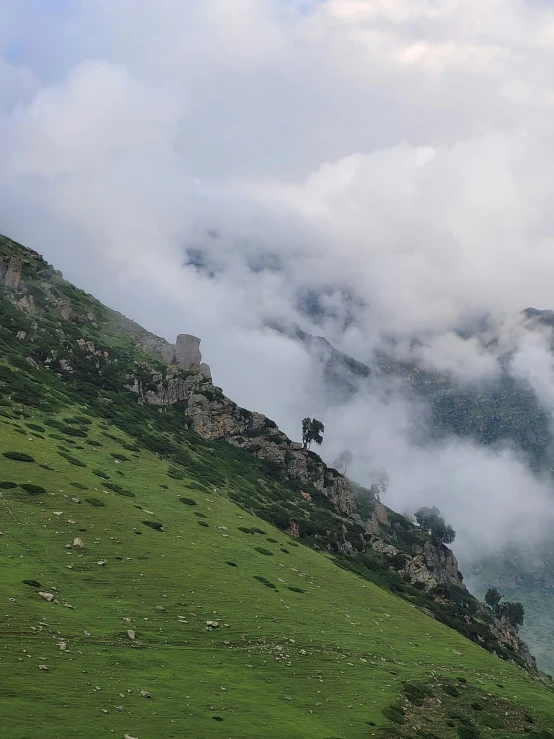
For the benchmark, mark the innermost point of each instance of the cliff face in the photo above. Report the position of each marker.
(215, 417)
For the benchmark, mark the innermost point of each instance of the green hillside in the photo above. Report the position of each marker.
(169, 609)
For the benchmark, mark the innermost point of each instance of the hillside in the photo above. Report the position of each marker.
(173, 565)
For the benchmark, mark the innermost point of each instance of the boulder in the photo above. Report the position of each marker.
(47, 596)
(78, 543)
(12, 277)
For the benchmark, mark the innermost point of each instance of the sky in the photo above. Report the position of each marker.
(212, 167)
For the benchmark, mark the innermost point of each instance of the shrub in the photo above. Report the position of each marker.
(70, 431)
(175, 474)
(203, 523)
(32, 489)
(120, 457)
(119, 490)
(47, 467)
(188, 501)
(273, 541)
(266, 552)
(154, 525)
(231, 564)
(199, 514)
(493, 722)
(265, 581)
(451, 690)
(35, 427)
(100, 473)
(92, 442)
(95, 502)
(72, 460)
(246, 530)
(393, 715)
(285, 551)
(83, 420)
(18, 456)
(32, 583)
(295, 589)
(477, 706)
(258, 531)
(468, 732)
(416, 694)
(78, 486)
(7, 485)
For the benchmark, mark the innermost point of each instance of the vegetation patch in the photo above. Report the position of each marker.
(154, 525)
(78, 485)
(265, 552)
(203, 523)
(188, 501)
(120, 457)
(32, 583)
(7, 485)
(72, 460)
(95, 502)
(32, 489)
(18, 456)
(295, 589)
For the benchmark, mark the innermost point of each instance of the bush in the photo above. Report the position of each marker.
(175, 474)
(32, 489)
(416, 694)
(203, 523)
(272, 541)
(78, 486)
(92, 442)
(100, 473)
(70, 431)
(35, 427)
(199, 514)
(468, 732)
(265, 581)
(266, 552)
(295, 589)
(18, 456)
(285, 551)
(154, 525)
(477, 706)
(188, 501)
(7, 485)
(246, 530)
(231, 564)
(119, 490)
(120, 457)
(32, 583)
(95, 502)
(72, 460)
(394, 715)
(492, 722)
(451, 690)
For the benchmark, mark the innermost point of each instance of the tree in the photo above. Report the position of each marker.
(378, 482)
(431, 521)
(514, 612)
(493, 598)
(343, 461)
(312, 432)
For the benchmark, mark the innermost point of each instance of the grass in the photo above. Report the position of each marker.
(302, 649)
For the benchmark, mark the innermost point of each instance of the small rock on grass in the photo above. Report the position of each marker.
(47, 596)
(43, 668)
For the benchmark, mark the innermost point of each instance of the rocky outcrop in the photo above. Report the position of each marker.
(12, 277)
(428, 564)
(185, 353)
(213, 416)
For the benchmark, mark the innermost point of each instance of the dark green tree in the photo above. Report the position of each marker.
(312, 432)
(343, 461)
(493, 598)
(431, 521)
(514, 612)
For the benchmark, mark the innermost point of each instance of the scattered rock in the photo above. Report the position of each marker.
(131, 634)
(145, 694)
(128, 736)
(127, 619)
(47, 596)
(78, 543)
(212, 624)
(101, 562)
(44, 668)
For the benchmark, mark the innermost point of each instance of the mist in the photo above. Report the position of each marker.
(378, 173)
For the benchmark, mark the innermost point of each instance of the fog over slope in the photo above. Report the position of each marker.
(377, 171)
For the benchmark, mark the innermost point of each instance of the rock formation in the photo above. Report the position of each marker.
(12, 277)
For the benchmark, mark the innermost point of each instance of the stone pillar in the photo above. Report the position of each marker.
(13, 275)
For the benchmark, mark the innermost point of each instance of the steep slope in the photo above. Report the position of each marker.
(115, 508)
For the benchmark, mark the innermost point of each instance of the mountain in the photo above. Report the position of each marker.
(497, 412)
(174, 565)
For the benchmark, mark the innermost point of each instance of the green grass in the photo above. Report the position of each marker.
(328, 661)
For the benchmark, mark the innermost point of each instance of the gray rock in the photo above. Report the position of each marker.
(187, 352)
(13, 273)
(47, 596)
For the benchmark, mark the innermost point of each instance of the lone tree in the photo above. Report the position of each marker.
(378, 482)
(431, 521)
(343, 461)
(493, 598)
(312, 432)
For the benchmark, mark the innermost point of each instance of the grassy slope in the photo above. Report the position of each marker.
(353, 643)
